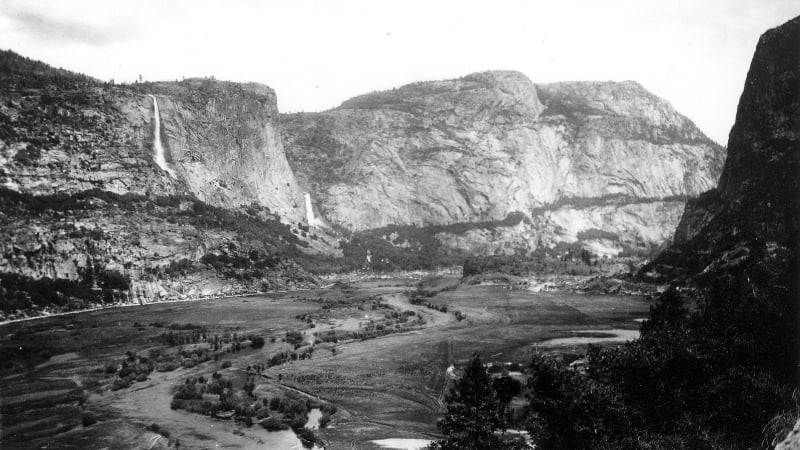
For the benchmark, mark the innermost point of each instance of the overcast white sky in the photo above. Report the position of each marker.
(316, 54)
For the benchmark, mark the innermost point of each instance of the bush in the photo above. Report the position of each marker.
(167, 366)
(120, 383)
(262, 413)
(273, 424)
(226, 364)
(307, 437)
(158, 430)
(324, 420)
(275, 404)
(256, 341)
(294, 337)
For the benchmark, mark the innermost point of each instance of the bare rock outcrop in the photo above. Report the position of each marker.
(756, 204)
(481, 147)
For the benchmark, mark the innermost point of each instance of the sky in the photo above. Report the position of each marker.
(316, 54)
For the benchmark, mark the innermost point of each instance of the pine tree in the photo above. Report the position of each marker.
(506, 388)
(471, 416)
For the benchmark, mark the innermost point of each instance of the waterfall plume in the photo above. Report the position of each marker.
(157, 147)
(313, 221)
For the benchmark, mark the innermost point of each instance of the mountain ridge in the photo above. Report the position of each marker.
(465, 150)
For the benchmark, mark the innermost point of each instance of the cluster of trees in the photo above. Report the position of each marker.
(20, 292)
(132, 369)
(172, 338)
(477, 407)
(19, 72)
(240, 403)
(253, 224)
(253, 266)
(284, 357)
(718, 375)
(190, 395)
(564, 258)
(714, 378)
(370, 332)
(412, 247)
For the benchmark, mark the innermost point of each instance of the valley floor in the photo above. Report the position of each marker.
(386, 372)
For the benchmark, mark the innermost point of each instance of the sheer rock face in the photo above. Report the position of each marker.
(220, 138)
(480, 147)
(759, 190)
(224, 144)
(66, 140)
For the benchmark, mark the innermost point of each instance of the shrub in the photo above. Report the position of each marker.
(256, 341)
(294, 337)
(275, 404)
(324, 420)
(120, 383)
(273, 424)
(155, 428)
(307, 437)
(262, 413)
(167, 366)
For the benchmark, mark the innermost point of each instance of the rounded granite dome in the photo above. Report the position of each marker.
(495, 96)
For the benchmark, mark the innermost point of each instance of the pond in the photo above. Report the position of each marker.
(313, 419)
(584, 337)
(403, 444)
(286, 439)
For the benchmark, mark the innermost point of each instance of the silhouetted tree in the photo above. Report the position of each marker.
(471, 416)
(506, 389)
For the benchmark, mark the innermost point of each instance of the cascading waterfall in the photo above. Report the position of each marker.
(313, 221)
(159, 149)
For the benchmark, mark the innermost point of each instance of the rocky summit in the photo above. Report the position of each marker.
(604, 164)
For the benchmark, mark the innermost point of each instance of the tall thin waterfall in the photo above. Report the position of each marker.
(159, 149)
(313, 221)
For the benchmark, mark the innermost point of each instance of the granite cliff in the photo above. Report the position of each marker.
(220, 139)
(754, 208)
(567, 156)
(736, 249)
(85, 199)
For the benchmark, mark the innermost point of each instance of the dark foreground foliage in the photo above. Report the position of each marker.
(476, 408)
(714, 377)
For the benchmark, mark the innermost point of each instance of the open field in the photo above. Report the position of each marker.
(362, 347)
